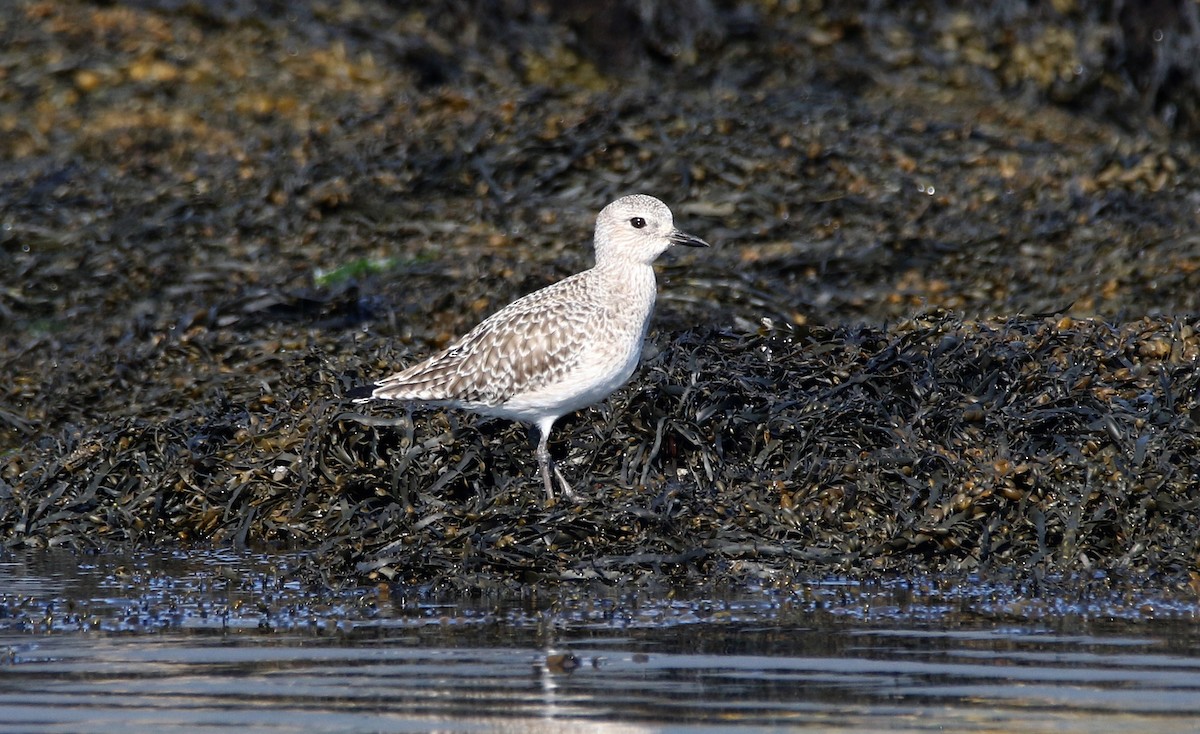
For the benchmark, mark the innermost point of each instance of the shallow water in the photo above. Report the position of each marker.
(217, 641)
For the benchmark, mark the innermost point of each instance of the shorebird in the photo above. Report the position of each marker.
(558, 349)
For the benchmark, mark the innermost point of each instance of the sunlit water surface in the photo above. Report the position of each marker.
(219, 641)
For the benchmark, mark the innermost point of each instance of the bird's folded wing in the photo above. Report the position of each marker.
(535, 341)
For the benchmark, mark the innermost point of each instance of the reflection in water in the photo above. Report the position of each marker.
(221, 641)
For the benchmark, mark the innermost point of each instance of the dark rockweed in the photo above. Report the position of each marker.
(1028, 445)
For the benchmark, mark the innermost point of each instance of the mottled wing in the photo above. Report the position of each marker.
(531, 343)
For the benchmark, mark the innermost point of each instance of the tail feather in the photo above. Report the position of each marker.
(416, 390)
(390, 389)
(437, 379)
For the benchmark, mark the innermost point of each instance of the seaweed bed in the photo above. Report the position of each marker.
(949, 324)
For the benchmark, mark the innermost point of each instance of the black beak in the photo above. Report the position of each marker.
(685, 239)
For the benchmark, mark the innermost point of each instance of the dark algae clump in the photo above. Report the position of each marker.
(948, 323)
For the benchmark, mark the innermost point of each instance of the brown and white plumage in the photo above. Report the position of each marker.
(558, 349)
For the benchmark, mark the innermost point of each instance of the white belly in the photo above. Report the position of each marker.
(596, 376)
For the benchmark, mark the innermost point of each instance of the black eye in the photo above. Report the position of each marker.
(637, 222)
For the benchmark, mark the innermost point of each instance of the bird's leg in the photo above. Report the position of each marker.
(546, 464)
(543, 457)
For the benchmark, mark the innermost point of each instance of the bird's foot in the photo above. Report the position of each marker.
(568, 492)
